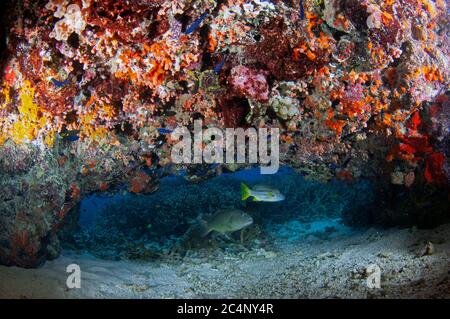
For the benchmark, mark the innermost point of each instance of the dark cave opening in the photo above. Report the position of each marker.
(129, 226)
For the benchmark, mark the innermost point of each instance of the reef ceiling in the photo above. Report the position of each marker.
(358, 88)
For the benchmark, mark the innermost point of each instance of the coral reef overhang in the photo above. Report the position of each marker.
(89, 88)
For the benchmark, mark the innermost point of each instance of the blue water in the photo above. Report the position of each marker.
(97, 203)
(124, 224)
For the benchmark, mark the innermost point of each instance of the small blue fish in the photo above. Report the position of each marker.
(220, 65)
(164, 131)
(333, 166)
(302, 10)
(196, 24)
(60, 84)
(70, 136)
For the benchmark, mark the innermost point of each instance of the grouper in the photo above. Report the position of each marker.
(224, 221)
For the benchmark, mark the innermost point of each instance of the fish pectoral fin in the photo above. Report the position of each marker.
(227, 236)
(205, 232)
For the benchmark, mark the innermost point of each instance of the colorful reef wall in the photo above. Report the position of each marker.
(90, 88)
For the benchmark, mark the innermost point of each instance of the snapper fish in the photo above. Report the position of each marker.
(261, 193)
(224, 221)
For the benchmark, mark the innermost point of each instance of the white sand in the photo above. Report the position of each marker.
(302, 268)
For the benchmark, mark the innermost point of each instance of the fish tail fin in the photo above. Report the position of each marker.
(245, 191)
(204, 229)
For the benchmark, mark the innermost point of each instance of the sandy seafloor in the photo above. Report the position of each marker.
(306, 266)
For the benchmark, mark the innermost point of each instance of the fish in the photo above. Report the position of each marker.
(261, 193)
(164, 130)
(302, 10)
(60, 84)
(194, 26)
(220, 65)
(333, 166)
(70, 136)
(224, 221)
